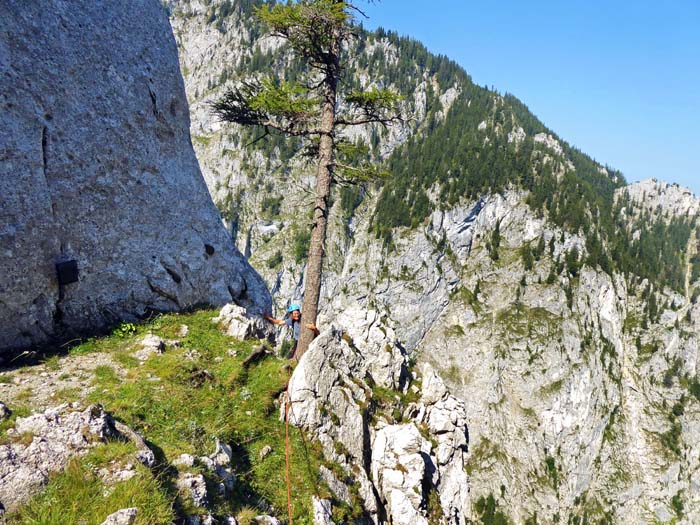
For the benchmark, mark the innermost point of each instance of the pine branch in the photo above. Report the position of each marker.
(281, 106)
(373, 106)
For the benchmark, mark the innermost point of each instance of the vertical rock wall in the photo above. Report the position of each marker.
(97, 167)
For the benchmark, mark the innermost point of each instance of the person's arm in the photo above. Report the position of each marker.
(313, 327)
(268, 317)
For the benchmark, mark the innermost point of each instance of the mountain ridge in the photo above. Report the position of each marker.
(534, 259)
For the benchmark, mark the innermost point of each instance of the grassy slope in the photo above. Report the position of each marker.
(179, 409)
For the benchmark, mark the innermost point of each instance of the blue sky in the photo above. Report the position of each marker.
(618, 79)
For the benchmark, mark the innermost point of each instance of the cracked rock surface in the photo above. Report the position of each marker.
(43, 443)
(98, 168)
(394, 467)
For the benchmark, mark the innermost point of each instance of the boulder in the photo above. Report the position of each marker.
(237, 322)
(43, 443)
(219, 462)
(104, 214)
(195, 486)
(148, 346)
(329, 395)
(264, 519)
(398, 470)
(122, 517)
(184, 460)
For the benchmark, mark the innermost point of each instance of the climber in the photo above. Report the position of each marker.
(293, 320)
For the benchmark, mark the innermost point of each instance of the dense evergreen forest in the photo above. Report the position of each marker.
(478, 147)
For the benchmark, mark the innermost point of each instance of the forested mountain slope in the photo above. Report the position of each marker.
(559, 303)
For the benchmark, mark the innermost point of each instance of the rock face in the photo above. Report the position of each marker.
(581, 405)
(43, 443)
(373, 437)
(399, 469)
(655, 196)
(98, 175)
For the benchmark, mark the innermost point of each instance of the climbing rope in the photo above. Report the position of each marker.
(287, 409)
(286, 454)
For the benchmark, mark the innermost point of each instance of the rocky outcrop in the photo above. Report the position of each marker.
(445, 417)
(658, 197)
(237, 322)
(43, 443)
(340, 393)
(398, 470)
(104, 214)
(329, 398)
(322, 511)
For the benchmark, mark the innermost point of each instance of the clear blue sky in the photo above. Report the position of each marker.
(618, 79)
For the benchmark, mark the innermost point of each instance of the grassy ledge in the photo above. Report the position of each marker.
(181, 402)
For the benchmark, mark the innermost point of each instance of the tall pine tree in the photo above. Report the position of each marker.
(316, 31)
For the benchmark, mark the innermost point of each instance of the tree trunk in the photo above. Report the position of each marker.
(312, 281)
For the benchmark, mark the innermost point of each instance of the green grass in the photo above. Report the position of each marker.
(485, 452)
(537, 324)
(489, 513)
(454, 331)
(182, 406)
(52, 363)
(77, 494)
(552, 388)
(552, 471)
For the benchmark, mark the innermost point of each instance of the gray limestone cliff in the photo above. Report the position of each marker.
(98, 174)
(581, 388)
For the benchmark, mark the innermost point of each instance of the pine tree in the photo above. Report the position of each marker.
(316, 31)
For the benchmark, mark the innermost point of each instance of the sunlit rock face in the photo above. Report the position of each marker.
(97, 172)
(579, 403)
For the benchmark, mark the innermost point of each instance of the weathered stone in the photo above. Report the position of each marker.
(144, 454)
(383, 357)
(398, 470)
(267, 520)
(122, 517)
(148, 346)
(219, 462)
(338, 488)
(446, 419)
(326, 381)
(57, 435)
(98, 168)
(117, 473)
(184, 460)
(237, 322)
(322, 511)
(195, 486)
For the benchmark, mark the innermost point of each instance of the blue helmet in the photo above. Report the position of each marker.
(293, 307)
